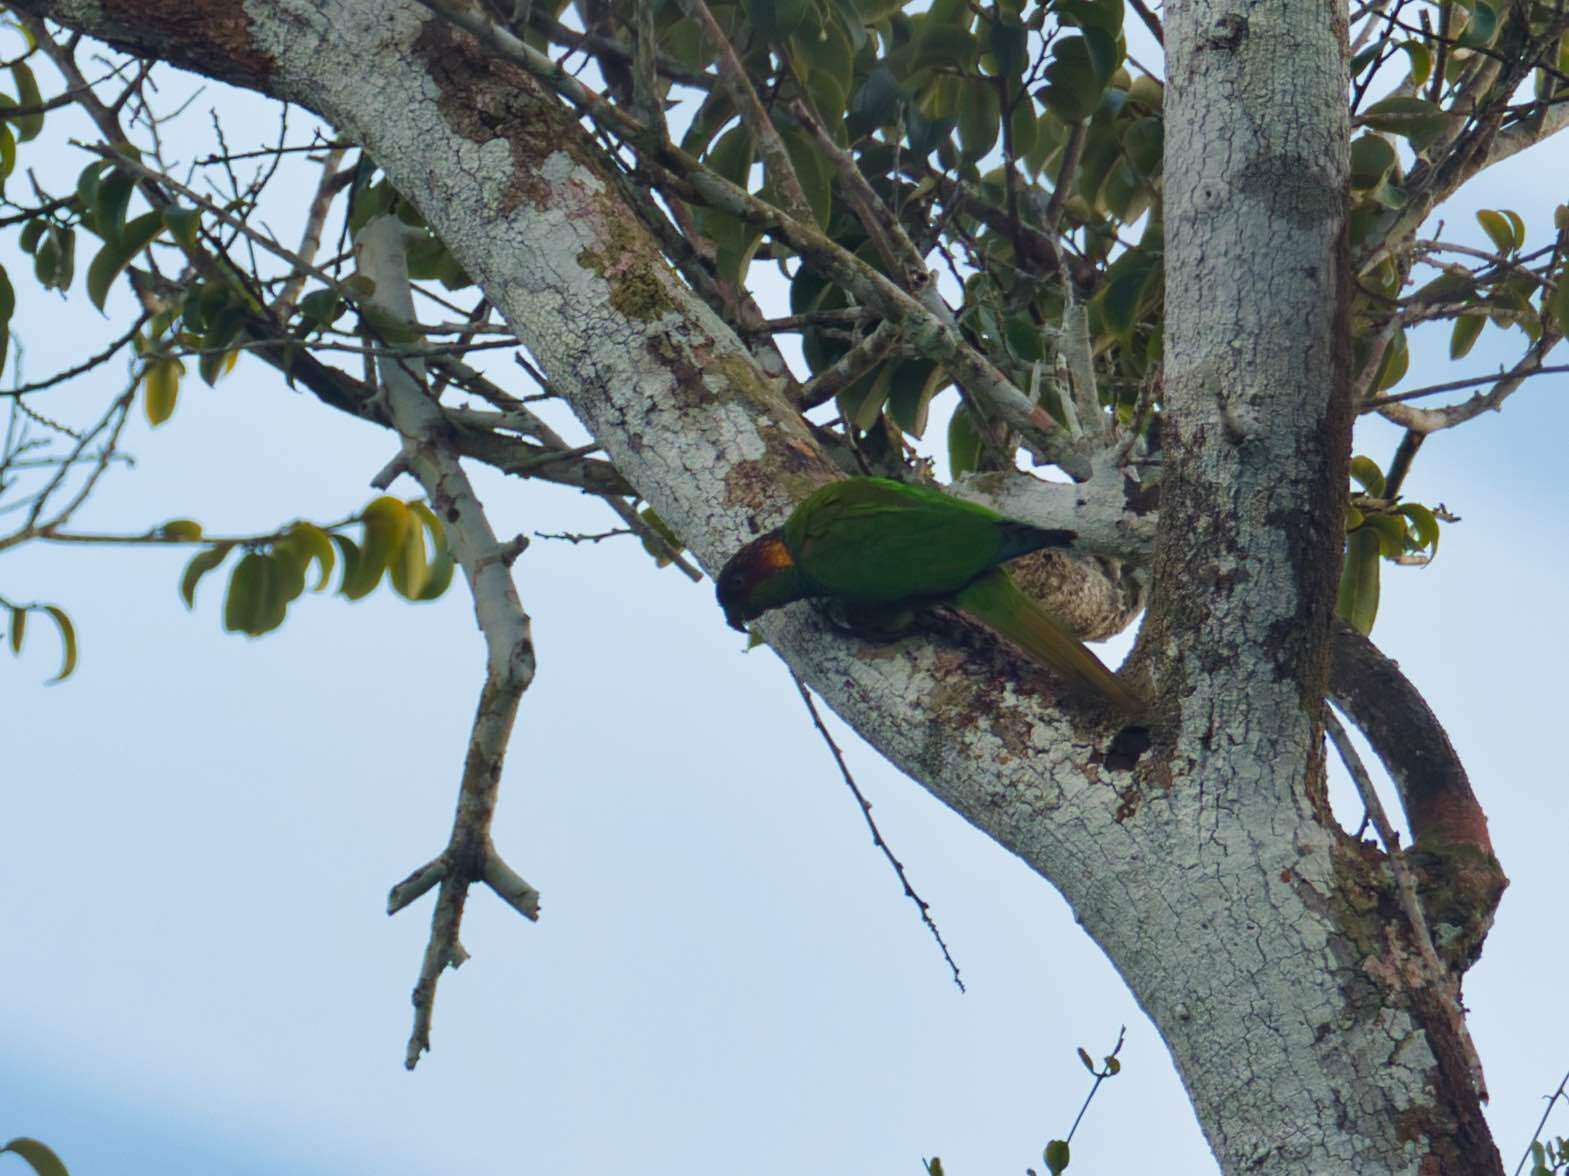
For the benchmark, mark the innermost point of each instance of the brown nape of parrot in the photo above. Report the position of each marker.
(872, 543)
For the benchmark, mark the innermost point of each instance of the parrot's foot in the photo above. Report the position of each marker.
(877, 624)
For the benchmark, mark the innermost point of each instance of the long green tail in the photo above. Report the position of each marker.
(997, 603)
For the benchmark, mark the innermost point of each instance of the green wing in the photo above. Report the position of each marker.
(875, 541)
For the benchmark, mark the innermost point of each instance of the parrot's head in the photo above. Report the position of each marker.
(761, 576)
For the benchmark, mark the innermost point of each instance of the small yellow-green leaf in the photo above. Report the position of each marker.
(1421, 62)
(183, 224)
(1424, 522)
(1558, 300)
(27, 94)
(439, 574)
(1463, 337)
(349, 551)
(1084, 1056)
(1354, 518)
(185, 530)
(1357, 600)
(1391, 531)
(249, 593)
(1365, 473)
(409, 566)
(161, 387)
(1416, 119)
(1056, 1156)
(386, 521)
(964, 443)
(1397, 360)
(318, 547)
(18, 628)
(67, 641)
(1499, 229)
(201, 563)
(43, 1160)
(7, 306)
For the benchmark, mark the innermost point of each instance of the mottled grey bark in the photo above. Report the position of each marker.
(1265, 946)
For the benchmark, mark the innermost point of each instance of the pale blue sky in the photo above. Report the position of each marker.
(200, 831)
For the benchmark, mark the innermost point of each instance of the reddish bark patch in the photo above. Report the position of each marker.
(211, 37)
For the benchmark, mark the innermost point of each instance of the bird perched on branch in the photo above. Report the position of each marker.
(879, 548)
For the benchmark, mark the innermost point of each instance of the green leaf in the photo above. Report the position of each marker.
(289, 561)
(1481, 30)
(1128, 280)
(117, 254)
(67, 640)
(355, 573)
(28, 125)
(18, 628)
(439, 574)
(1414, 119)
(114, 198)
(43, 1161)
(1023, 127)
(1424, 522)
(1499, 228)
(1007, 41)
(183, 224)
(774, 20)
(201, 563)
(160, 388)
(1073, 84)
(1372, 158)
(980, 116)
(911, 388)
(1391, 532)
(876, 103)
(1357, 599)
(1397, 359)
(949, 46)
(1143, 143)
(249, 589)
(1056, 1156)
(823, 47)
(31, 232)
(7, 308)
(1558, 300)
(317, 546)
(7, 152)
(1421, 62)
(186, 530)
(410, 565)
(861, 403)
(964, 443)
(1463, 337)
(1365, 473)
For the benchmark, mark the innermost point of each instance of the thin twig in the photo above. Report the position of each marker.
(1542, 1122)
(877, 837)
(1405, 887)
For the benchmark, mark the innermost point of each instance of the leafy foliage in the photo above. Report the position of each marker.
(403, 541)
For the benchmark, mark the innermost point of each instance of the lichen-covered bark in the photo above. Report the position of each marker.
(1356, 1073)
(1205, 865)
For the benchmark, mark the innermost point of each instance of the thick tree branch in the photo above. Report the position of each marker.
(509, 665)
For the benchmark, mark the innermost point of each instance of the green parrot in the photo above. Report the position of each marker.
(878, 546)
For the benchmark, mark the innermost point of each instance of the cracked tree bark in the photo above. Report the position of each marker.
(1265, 944)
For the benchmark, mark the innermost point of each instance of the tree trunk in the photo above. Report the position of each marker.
(1200, 854)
